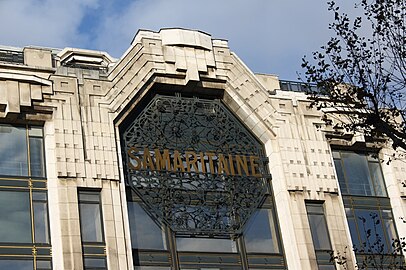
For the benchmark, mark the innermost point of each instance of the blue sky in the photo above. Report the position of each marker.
(270, 36)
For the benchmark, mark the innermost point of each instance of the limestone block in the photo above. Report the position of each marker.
(186, 37)
(3, 92)
(36, 92)
(38, 57)
(25, 94)
(13, 97)
(180, 63)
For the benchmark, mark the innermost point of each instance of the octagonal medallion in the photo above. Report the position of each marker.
(194, 165)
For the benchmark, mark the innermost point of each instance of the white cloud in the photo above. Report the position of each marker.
(42, 22)
(269, 36)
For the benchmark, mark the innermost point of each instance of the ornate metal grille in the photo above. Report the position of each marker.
(194, 165)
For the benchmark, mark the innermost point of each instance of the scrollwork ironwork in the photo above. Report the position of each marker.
(217, 199)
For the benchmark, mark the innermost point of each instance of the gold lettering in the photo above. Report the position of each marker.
(163, 162)
(135, 158)
(223, 168)
(177, 162)
(147, 160)
(191, 162)
(242, 163)
(230, 159)
(202, 162)
(254, 166)
(211, 165)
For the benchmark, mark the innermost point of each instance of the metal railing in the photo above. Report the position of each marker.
(297, 86)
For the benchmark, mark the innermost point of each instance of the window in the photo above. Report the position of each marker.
(24, 228)
(367, 207)
(318, 226)
(145, 233)
(15, 213)
(22, 155)
(359, 174)
(260, 234)
(148, 238)
(91, 230)
(366, 215)
(206, 245)
(319, 231)
(155, 246)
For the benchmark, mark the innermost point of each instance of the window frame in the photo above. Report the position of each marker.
(32, 251)
(366, 155)
(27, 128)
(182, 259)
(374, 203)
(92, 249)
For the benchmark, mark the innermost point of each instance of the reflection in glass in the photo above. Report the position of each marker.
(356, 168)
(17, 264)
(359, 174)
(145, 233)
(90, 223)
(14, 160)
(15, 222)
(260, 234)
(377, 177)
(95, 263)
(44, 265)
(37, 157)
(380, 231)
(41, 222)
(206, 244)
(90, 216)
(340, 176)
(318, 226)
(354, 232)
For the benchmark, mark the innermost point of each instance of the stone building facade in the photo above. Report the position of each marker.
(68, 200)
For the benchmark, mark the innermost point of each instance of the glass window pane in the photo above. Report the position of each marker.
(294, 86)
(44, 265)
(353, 232)
(98, 263)
(39, 196)
(17, 264)
(377, 177)
(90, 222)
(151, 268)
(357, 173)
(35, 131)
(260, 234)
(13, 154)
(145, 233)
(390, 231)
(37, 157)
(41, 222)
(315, 209)
(370, 230)
(340, 175)
(206, 245)
(89, 196)
(319, 232)
(15, 222)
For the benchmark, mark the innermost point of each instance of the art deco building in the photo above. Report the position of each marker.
(177, 156)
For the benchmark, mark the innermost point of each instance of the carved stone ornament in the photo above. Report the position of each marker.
(195, 166)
